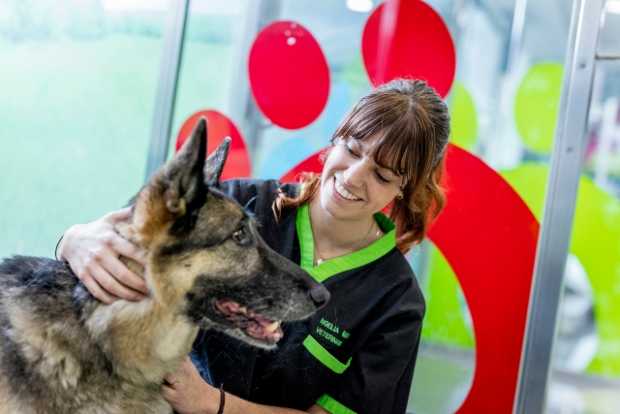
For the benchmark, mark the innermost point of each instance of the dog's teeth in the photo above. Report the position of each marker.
(243, 310)
(272, 327)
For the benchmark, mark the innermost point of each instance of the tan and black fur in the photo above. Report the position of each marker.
(62, 351)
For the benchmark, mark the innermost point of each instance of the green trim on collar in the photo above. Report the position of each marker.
(316, 349)
(305, 237)
(349, 261)
(332, 406)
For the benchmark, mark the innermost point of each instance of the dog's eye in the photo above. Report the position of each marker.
(241, 237)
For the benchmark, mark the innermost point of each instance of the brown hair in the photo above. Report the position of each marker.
(413, 126)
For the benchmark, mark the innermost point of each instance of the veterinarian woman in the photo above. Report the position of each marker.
(358, 353)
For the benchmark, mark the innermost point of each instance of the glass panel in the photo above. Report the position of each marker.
(608, 45)
(78, 85)
(209, 69)
(215, 76)
(504, 106)
(585, 375)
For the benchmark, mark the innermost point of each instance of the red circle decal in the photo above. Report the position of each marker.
(408, 39)
(219, 126)
(289, 76)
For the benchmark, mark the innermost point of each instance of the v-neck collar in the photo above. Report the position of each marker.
(340, 264)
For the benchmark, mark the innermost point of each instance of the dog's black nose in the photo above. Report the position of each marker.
(319, 295)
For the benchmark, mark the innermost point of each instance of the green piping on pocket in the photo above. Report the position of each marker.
(327, 359)
(333, 406)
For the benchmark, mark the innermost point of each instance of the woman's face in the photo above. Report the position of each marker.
(353, 186)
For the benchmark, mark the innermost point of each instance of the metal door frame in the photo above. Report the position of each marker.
(561, 195)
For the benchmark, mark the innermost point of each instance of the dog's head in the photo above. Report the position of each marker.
(205, 256)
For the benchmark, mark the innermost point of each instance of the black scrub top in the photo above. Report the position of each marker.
(355, 355)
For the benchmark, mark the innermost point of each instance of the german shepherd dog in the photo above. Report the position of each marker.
(62, 351)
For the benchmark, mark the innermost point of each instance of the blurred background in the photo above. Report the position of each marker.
(81, 84)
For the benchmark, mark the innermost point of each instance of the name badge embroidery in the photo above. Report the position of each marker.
(331, 332)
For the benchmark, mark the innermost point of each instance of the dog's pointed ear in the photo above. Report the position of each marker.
(174, 189)
(215, 163)
(184, 175)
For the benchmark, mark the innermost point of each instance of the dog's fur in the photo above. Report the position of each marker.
(62, 351)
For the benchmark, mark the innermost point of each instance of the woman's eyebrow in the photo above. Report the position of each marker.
(391, 171)
(386, 168)
(360, 145)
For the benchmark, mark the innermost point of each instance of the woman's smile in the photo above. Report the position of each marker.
(343, 192)
(353, 185)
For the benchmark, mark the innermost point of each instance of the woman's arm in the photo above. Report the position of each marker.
(92, 251)
(188, 393)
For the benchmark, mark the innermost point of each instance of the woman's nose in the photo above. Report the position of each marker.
(355, 173)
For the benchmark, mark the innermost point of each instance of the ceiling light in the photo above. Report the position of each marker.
(362, 6)
(613, 6)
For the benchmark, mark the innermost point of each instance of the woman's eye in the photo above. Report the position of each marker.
(241, 237)
(382, 178)
(351, 151)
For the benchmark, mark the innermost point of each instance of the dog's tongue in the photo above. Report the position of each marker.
(259, 327)
(228, 306)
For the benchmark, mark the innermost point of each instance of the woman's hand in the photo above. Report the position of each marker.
(188, 393)
(93, 251)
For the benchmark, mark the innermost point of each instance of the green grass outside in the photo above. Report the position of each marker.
(75, 124)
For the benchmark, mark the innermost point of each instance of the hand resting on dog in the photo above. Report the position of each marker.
(93, 249)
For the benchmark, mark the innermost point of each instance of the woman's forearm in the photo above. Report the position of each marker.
(188, 393)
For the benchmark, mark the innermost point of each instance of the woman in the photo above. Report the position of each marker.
(358, 353)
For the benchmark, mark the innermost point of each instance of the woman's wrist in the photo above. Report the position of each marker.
(222, 403)
(211, 399)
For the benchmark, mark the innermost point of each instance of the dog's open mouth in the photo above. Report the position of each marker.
(253, 324)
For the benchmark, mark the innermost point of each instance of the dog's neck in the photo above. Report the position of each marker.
(145, 339)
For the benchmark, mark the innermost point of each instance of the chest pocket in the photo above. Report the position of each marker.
(329, 344)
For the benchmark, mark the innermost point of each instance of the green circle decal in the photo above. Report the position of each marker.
(536, 106)
(596, 243)
(463, 117)
(446, 310)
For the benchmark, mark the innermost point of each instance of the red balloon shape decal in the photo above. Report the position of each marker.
(219, 126)
(488, 235)
(289, 76)
(408, 39)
